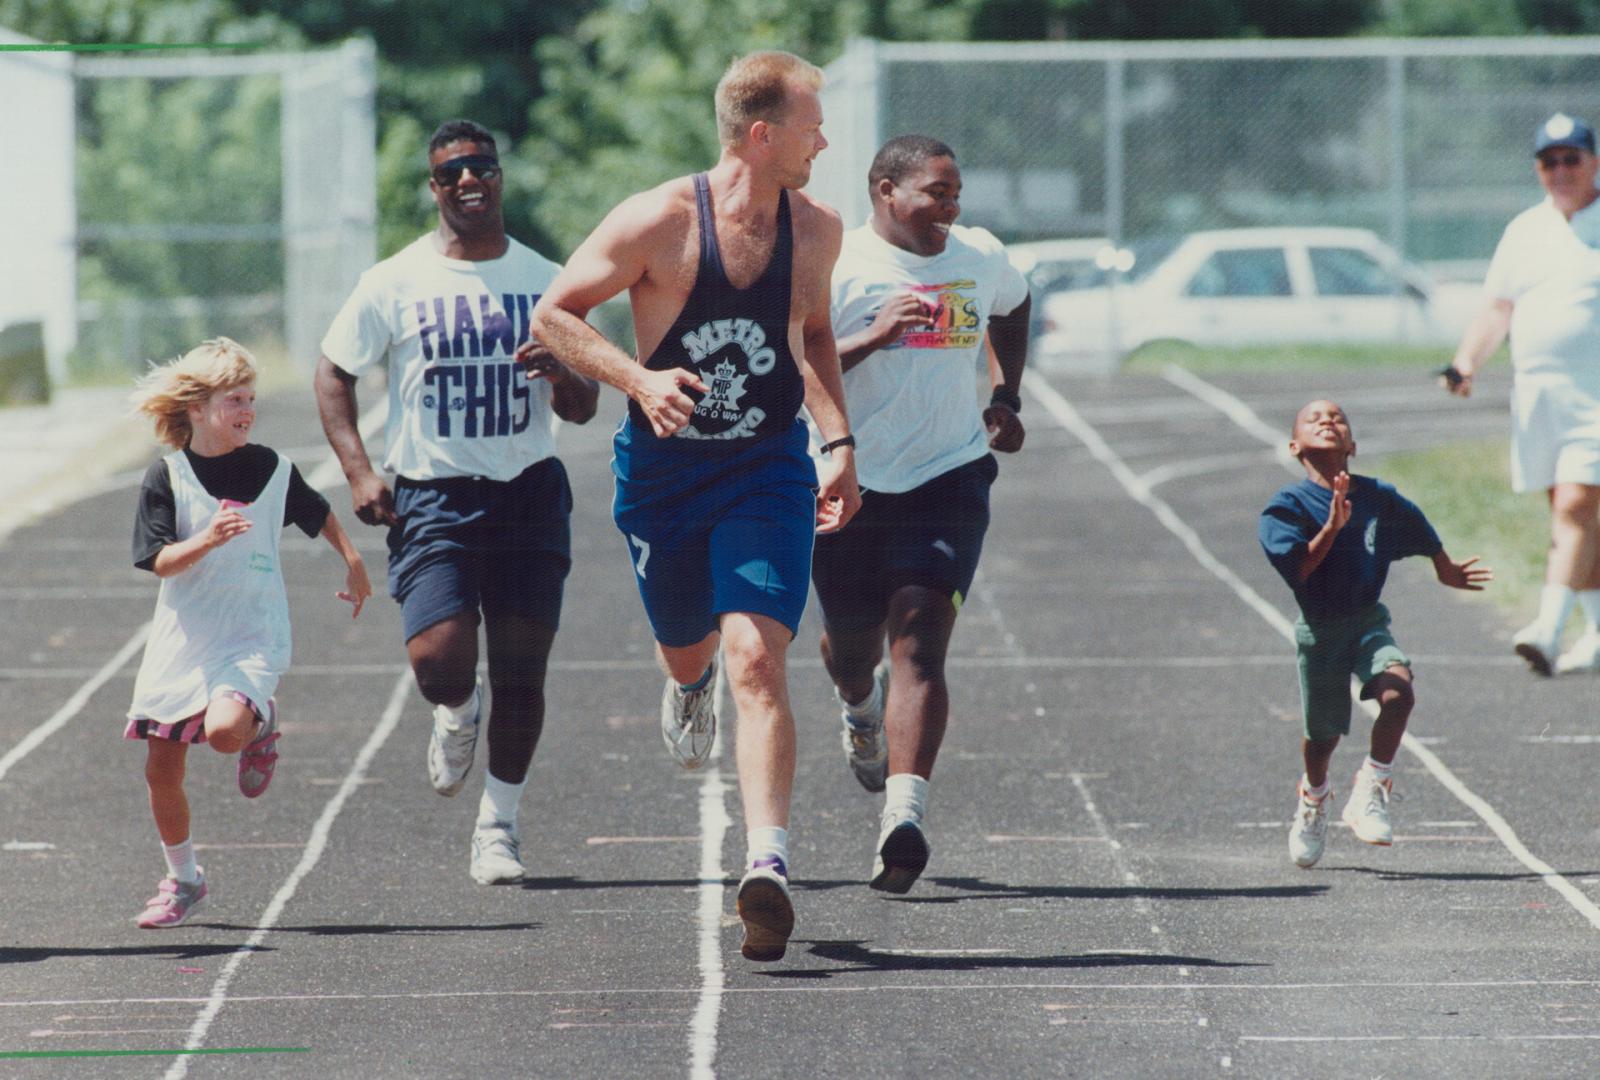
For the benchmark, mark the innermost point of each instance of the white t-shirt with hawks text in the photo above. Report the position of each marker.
(459, 403)
(914, 406)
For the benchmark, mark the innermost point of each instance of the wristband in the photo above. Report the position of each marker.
(837, 444)
(1004, 395)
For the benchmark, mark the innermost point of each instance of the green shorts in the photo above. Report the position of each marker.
(1332, 651)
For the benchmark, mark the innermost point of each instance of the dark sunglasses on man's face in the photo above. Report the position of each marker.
(1550, 161)
(448, 173)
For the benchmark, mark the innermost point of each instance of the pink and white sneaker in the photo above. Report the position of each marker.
(173, 902)
(258, 759)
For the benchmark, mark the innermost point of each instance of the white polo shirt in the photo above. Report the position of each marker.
(1549, 268)
(459, 403)
(914, 405)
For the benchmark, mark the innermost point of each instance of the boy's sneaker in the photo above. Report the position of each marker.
(864, 744)
(497, 855)
(1583, 656)
(689, 720)
(1308, 833)
(173, 902)
(450, 747)
(1367, 812)
(1534, 645)
(765, 909)
(902, 854)
(260, 757)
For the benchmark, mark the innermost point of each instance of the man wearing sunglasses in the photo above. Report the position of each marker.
(1543, 289)
(478, 515)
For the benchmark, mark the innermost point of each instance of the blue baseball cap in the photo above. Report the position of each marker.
(1563, 130)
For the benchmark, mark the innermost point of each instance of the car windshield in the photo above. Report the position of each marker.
(1149, 254)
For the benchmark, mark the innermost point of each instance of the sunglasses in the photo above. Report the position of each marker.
(1550, 161)
(448, 173)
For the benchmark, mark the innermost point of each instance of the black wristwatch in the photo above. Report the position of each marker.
(830, 447)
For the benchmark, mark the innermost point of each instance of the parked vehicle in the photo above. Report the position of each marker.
(1251, 287)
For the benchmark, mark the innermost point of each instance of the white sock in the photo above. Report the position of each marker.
(499, 802)
(766, 840)
(1377, 768)
(462, 715)
(1315, 794)
(1555, 604)
(871, 705)
(180, 861)
(906, 795)
(1589, 601)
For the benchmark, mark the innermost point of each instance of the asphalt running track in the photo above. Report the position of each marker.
(1109, 893)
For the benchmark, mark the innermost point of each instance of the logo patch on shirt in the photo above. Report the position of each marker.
(1371, 537)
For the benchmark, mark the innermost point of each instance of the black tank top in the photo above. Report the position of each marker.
(737, 339)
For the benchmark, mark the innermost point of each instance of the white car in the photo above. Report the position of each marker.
(1251, 287)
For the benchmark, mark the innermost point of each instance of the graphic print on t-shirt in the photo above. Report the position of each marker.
(724, 341)
(953, 322)
(472, 394)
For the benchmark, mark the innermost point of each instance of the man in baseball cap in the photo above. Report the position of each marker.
(1563, 130)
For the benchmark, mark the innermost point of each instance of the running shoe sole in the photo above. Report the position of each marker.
(905, 855)
(1535, 656)
(768, 916)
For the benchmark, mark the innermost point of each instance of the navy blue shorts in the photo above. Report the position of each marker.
(930, 536)
(722, 538)
(467, 544)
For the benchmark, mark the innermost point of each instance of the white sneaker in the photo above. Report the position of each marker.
(1367, 812)
(864, 744)
(1308, 834)
(450, 747)
(1583, 656)
(1536, 647)
(497, 855)
(902, 854)
(689, 720)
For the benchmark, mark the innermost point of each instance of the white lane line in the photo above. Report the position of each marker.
(1414, 1038)
(1236, 410)
(714, 823)
(1141, 904)
(75, 703)
(603, 992)
(315, 844)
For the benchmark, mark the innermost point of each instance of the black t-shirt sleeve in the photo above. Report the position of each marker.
(156, 523)
(305, 506)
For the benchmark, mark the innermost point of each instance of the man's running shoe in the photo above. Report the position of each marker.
(765, 909)
(1308, 834)
(902, 854)
(497, 855)
(864, 744)
(1583, 656)
(1367, 812)
(258, 759)
(450, 747)
(173, 902)
(1533, 644)
(689, 719)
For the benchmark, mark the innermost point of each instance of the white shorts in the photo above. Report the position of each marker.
(1555, 433)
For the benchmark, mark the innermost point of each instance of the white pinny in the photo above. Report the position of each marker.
(222, 624)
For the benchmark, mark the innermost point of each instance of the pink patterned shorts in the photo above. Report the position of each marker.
(190, 730)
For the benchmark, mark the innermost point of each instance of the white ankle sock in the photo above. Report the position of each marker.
(499, 802)
(1377, 768)
(1315, 794)
(1555, 604)
(1589, 601)
(906, 794)
(180, 861)
(462, 715)
(871, 705)
(766, 840)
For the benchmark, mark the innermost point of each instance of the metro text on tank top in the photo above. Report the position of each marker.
(737, 340)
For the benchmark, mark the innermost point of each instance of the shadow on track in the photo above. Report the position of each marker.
(860, 958)
(355, 930)
(1415, 875)
(174, 951)
(978, 889)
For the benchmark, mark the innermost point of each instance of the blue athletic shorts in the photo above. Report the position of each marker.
(468, 544)
(930, 536)
(721, 536)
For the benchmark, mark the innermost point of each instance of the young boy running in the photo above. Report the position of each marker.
(1332, 536)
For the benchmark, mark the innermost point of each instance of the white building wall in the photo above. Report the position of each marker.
(38, 201)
